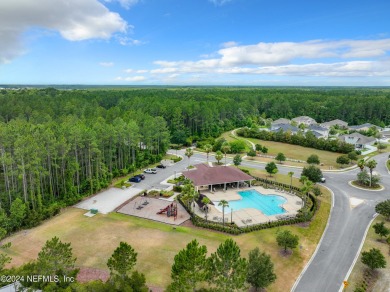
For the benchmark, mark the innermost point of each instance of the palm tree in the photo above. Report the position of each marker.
(225, 149)
(187, 193)
(307, 187)
(371, 164)
(361, 163)
(189, 153)
(218, 156)
(193, 196)
(206, 201)
(224, 204)
(290, 174)
(207, 148)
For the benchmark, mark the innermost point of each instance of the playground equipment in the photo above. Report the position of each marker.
(171, 210)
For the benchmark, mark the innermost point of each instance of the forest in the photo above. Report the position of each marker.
(57, 146)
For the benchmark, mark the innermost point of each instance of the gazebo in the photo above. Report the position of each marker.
(205, 176)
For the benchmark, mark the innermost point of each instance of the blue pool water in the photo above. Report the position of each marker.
(267, 204)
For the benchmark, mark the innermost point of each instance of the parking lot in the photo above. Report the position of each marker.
(108, 200)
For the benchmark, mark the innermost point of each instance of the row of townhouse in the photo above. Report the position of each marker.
(322, 130)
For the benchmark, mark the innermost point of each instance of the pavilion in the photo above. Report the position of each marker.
(204, 176)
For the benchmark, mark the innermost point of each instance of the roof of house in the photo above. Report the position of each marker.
(281, 121)
(302, 119)
(362, 126)
(317, 128)
(204, 174)
(316, 134)
(356, 138)
(285, 128)
(334, 123)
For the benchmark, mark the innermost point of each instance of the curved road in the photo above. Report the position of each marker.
(341, 241)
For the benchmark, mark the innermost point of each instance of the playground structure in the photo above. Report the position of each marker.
(155, 206)
(170, 210)
(141, 204)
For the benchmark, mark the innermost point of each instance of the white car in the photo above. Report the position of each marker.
(150, 170)
(323, 179)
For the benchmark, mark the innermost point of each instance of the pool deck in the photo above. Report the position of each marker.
(248, 216)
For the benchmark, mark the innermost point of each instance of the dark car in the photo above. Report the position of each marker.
(141, 176)
(161, 166)
(136, 179)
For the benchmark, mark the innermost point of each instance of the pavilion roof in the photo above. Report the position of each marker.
(204, 174)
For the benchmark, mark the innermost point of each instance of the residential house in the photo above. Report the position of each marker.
(385, 134)
(322, 132)
(341, 124)
(358, 140)
(304, 120)
(364, 127)
(276, 124)
(285, 128)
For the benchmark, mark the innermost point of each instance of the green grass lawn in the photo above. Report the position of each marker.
(388, 165)
(372, 241)
(298, 152)
(94, 239)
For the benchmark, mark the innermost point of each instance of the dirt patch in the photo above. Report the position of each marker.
(90, 274)
(286, 253)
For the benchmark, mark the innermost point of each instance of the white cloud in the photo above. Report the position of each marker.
(133, 78)
(75, 20)
(106, 64)
(229, 44)
(126, 41)
(220, 2)
(347, 58)
(124, 3)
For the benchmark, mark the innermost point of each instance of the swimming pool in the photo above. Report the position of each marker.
(267, 204)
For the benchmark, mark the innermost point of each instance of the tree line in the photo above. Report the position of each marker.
(57, 146)
(305, 140)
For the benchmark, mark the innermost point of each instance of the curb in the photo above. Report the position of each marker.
(318, 245)
(358, 252)
(368, 190)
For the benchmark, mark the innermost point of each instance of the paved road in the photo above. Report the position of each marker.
(341, 240)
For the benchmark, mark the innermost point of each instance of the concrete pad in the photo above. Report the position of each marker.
(291, 206)
(108, 200)
(354, 202)
(89, 214)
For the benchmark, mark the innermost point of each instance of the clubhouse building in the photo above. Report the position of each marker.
(207, 177)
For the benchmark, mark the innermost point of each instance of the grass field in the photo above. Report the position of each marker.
(327, 158)
(94, 239)
(383, 282)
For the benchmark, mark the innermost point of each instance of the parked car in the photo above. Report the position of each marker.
(136, 179)
(161, 166)
(323, 179)
(150, 170)
(141, 176)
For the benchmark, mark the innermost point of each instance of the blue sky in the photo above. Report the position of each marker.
(195, 42)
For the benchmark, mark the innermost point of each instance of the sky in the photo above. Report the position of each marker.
(195, 42)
